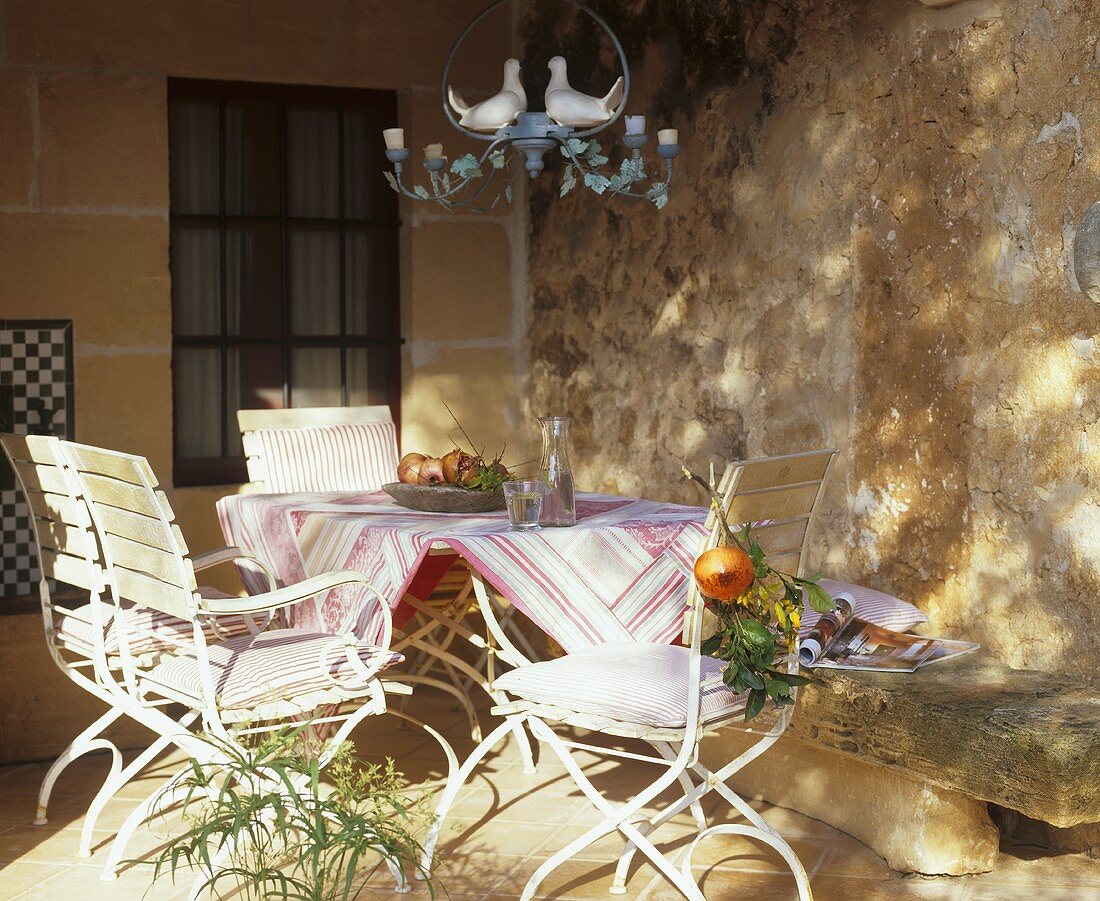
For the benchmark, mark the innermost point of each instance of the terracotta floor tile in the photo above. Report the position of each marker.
(885, 888)
(18, 877)
(990, 891)
(847, 857)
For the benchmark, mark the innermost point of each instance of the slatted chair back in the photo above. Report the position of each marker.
(780, 495)
(144, 550)
(67, 549)
(270, 457)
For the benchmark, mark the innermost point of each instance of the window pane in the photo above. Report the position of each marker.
(315, 377)
(370, 263)
(197, 380)
(252, 159)
(314, 281)
(313, 158)
(255, 381)
(368, 376)
(196, 305)
(194, 179)
(366, 194)
(252, 278)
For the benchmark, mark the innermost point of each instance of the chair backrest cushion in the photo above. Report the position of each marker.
(358, 456)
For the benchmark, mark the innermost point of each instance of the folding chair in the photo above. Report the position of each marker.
(84, 641)
(344, 449)
(248, 684)
(669, 697)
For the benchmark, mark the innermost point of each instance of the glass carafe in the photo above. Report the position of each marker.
(559, 506)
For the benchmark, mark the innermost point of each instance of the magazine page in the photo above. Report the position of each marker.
(825, 629)
(863, 645)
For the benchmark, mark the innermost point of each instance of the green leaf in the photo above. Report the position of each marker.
(659, 195)
(568, 180)
(498, 159)
(756, 633)
(466, 167)
(392, 181)
(755, 703)
(576, 145)
(820, 599)
(750, 678)
(594, 154)
(596, 182)
(508, 192)
(421, 192)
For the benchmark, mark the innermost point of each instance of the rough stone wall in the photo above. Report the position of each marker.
(868, 246)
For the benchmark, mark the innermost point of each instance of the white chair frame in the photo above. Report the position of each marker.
(68, 552)
(782, 494)
(123, 500)
(433, 631)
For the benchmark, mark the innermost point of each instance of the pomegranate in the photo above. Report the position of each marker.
(723, 573)
(409, 468)
(431, 472)
(454, 465)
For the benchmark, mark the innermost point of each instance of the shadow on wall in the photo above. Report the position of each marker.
(865, 248)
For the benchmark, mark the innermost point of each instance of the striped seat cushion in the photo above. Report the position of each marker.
(148, 631)
(874, 606)
(358, 456)
(274, 666)
(630, 682)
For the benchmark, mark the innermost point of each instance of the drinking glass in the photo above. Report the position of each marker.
(524, 500)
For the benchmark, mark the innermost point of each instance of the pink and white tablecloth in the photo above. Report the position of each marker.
(617, 575)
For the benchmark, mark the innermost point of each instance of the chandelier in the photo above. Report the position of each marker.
(570, 122)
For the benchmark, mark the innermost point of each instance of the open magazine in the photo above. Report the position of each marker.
(841, 640)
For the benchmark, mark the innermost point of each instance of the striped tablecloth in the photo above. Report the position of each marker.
(612, 577)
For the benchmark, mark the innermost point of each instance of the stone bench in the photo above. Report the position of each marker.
(914, 765)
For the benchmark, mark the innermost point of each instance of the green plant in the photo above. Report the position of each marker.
(760, 623)
(285, 834)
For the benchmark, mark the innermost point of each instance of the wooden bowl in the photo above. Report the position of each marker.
(444, 498)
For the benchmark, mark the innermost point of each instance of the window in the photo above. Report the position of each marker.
(283, 258)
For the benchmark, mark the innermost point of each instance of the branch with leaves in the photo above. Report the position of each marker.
(758, 618)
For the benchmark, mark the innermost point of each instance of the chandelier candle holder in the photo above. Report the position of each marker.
(570, 122)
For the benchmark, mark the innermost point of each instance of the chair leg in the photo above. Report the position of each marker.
(454, 785)
(801, 877)
(615, 819)
(164, 797)
(452, 689)
(86, 741)
(117, 780)
(692, 794)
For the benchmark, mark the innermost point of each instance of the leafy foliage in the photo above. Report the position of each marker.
(761, 624)
(287, 835)
(467, 167)
(584, 157)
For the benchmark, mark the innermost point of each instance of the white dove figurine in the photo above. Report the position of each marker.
(499, 110)
(569, 107)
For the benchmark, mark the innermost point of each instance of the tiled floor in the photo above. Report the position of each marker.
(504, 824)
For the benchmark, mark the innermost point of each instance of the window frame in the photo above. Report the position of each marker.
(378, 105)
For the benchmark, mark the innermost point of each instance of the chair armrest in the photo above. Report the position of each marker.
(209, 559)
(291, 594)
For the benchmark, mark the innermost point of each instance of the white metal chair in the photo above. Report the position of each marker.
(330, 449)
(84, 641)
(256, 682)
(669, 697)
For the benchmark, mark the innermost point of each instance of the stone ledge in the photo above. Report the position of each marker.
(914, 826)
(1024, 740)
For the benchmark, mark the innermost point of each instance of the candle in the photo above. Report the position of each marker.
(635, 125)
(395, 138)
(433, 152)
(668, 136)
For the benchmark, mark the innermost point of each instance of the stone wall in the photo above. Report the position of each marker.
(868, 247)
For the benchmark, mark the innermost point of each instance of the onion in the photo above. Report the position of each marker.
(723, 573)
(409, 468)
(431, 472)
